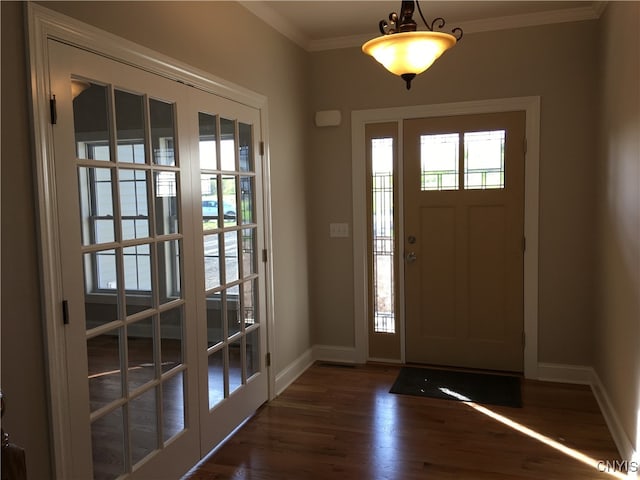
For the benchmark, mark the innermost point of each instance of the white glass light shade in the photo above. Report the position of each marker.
(409, 52)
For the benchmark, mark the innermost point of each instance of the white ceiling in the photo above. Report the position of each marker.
(321, 25)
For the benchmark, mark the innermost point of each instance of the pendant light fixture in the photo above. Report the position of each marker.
(403, 50)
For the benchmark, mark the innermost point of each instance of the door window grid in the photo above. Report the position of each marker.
(130, 271)
(383, 244)
(483, 159)
(230, 305)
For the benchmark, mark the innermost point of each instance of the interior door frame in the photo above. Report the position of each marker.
(359, 118)
(43, 25)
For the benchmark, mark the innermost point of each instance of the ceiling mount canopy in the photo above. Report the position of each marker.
(403, 50)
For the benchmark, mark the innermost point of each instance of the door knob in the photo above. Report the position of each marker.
(411, 257)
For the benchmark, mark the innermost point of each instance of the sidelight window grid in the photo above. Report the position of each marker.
(382, 235)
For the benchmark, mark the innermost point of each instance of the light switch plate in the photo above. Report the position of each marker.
(338, 230)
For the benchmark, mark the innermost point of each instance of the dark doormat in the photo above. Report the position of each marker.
(503, 390)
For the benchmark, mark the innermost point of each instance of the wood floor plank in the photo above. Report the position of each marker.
(337, 422)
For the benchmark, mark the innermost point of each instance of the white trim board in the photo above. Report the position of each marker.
(359, 118)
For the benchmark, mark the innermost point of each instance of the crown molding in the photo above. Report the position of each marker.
(268, 15)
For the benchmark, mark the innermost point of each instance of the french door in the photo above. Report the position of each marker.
(159, 189)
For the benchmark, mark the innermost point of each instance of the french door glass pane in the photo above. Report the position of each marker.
(130, 127)
(227, 145)
(91, 120)
(231, 256)
(246, 199)
(95, 188)
(233, 310)
(137, 278)
(141, 353)
(245, 139)
(173, 411)
(210, 207)
(249, 303)
(216, 378)
(248, 252)
(208, 141)
(134, 206)
(253, 353)
(211, 261)
(171, 339)
(104, 367)
(484, 160)
(214, 319)
(169, 281)
(439, 154)
(162, 132)
(235, 365)
(229, 201)
(166, 195)
(101, 300)
(107, 442)
(143, 427)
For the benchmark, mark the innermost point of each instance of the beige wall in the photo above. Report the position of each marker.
(23, 377)
(556, 62)
(203, 35)
(617, 331)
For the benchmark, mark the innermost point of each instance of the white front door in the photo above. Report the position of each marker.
(160, 224)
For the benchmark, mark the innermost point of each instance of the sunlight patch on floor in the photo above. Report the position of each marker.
(587, 460)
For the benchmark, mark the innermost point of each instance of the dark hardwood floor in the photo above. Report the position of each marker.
(341, 423)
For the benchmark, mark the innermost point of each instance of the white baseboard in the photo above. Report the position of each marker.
(622, 441)
(330, 353)
(584, 375)
(291, 372)
(557, 372)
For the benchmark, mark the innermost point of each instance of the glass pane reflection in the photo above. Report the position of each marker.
(173, 402)
(91, 120)
(208, 140)
(167, 211)
(233, 310)
(169, 280)
(140, 347)
(214, 319)
(104, 369)
(253, 353)
(130, 127)
(245, 139)
(134, 206)
(162, 132)
(96, 205)
(211, 262)
(231, 256)
(107, 444)
(235, 365)
(143, 425)
(101, 300)
(171, 333)
(227, 145)
(216, 378)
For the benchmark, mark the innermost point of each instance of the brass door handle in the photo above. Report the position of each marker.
(411, 257)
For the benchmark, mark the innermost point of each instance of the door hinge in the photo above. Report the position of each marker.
(524, 244)
(524, 339)
(261, 148)
(53, 110)
(264, 255)
(65, 312)
(268, 359)
(524, 145)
